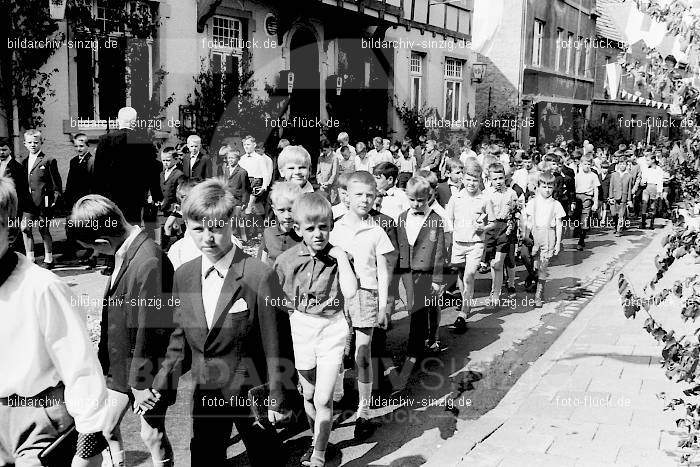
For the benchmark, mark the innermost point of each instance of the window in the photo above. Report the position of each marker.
(102, 72)
(416, 75)
(228, 38)
(589, 55)
(569, 48)
(579, 47)
(226, 33)
(537, 43)
(558, 65)
(453, 88)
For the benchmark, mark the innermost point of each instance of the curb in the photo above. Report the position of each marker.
(476, 431)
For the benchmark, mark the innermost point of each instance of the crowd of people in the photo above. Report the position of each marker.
(403, 222)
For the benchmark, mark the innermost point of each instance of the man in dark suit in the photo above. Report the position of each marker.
(127, 167)
(137, 320)
(45, 188)
(11, 168)
(196, 165)
(80, 182)
(230, 333)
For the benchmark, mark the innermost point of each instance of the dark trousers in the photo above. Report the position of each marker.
(213, 417)
(422, 298)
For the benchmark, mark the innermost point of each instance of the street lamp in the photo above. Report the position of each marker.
(478, 72)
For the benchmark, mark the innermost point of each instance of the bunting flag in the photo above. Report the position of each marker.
(635, 98)
(623, 93)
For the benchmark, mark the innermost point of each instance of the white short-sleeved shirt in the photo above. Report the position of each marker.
(394, 203)
(363, 164)
(365, 241)
(543, 212)
(440, 211)
(463, 211)
(503, 202)
(586, 182)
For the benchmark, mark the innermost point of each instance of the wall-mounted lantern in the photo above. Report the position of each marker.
(338, 85)
(478, 72)
(57, 9)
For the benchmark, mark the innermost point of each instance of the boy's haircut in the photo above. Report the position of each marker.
(325, 144)
(429, 176)
(587, 158)
(362, 176)
(312, 207)
(183, 189)
(93, 217)
(165, 150)
(250, 138)
(343, 180)
(4, 141)
(360, 146)
(194, 138)
(210, 199)
(32, 132)
(497, 168)
(605, 165)
(472, 168)
(377, 139)
(526, 156)
(284, 142)
(344, 149)
(387, 169)
(8, 200)
(232, 151)
(80, 137)
(453, 164)
(224, 149)
(418, 185)
(293, 154)
(546, 176)
(284, 191)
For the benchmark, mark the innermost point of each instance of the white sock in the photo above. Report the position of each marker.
(30, 256)
(365, 393)
(318, 457)
(110, 458)
(48, 258)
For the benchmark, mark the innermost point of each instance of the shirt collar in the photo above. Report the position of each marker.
(308, 188)
(121, 252)
(222, 265)
(304, 250)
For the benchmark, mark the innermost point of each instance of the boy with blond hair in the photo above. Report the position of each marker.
(370, 248)
(317, 280)
(280, 236)
(294, 163)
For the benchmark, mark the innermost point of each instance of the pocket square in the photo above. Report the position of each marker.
(239, 306)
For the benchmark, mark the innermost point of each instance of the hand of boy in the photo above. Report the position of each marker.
(275, 417)
(630, 204)
(557, 248)
(436, 288)
(144, 399)
(382, 320)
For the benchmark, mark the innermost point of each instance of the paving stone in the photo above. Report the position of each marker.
(655, 419)
(535, 459)
(596, 451)
(519, 440)
(653, 386)
(610, 384)
(669, 440)
(543, 406)
(604, 415)
(646, 438)
(564, 429)
(646, 457)
(484, 458)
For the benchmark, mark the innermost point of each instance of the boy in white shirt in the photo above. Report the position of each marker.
(542, 228)
(587, 186)
(466, 210)
(395, 200)
(653, 182)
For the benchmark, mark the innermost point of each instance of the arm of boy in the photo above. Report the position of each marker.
(383, 279)
(557, 243)
(595, 198)
(346, 276)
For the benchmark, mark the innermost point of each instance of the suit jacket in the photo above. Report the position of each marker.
(169, 188)
(238, 184)
(444, 193)
(428, 251)
(621, 186)
(44, 181)
(16, 171)
(242, 349)
(126, 170)
(81, 178)
(137, 317)
(203, 167)
(604, 191)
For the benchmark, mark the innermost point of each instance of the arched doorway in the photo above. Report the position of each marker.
(306, 97)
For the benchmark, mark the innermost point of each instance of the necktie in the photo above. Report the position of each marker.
(210, 270)
(418, 213)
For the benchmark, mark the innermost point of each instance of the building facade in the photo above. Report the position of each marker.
(343, 65)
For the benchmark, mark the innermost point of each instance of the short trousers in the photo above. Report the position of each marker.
(584, 203)
(650, 192)
(363, 308)
(544, 241)
(467, 254)
(318, 339)
(618, 208)
(497, 240)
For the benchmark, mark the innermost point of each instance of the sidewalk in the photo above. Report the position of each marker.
(589, 400)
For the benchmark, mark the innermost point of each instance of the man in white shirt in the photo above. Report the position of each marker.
(378, 154)
(51, 377)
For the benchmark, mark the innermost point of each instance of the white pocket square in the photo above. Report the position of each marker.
(239, 306)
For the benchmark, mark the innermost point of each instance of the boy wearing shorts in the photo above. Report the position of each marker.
(362, 238)
(542, 229)
(587, 186)
(317, 279)
(467, 212)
